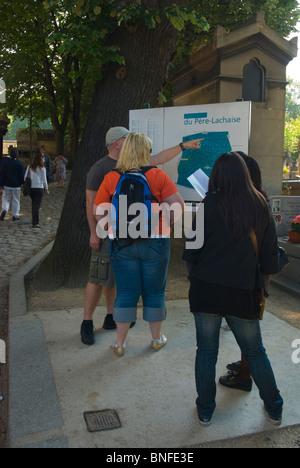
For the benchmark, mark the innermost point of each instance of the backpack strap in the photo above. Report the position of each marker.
(143, 169)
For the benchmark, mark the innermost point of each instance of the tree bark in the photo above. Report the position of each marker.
(75, 117)
(147, 54)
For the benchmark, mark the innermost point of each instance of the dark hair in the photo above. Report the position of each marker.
(254, 170)
(255, 173)
(37, 160)
(13, 153)
(240, 203)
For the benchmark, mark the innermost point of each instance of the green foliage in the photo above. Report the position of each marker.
(280, 15)
(291, 137)
(50, 48)
(292, 100)
(16, 123)
(90, 24)
(292, 119)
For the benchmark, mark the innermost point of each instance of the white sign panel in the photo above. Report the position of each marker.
(2, 92)
(223, 127)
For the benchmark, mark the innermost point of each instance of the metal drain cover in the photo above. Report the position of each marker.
(101, 420)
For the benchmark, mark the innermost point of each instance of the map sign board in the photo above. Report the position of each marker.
(223, 127)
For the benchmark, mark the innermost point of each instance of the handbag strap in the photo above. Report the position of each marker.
(254, 241)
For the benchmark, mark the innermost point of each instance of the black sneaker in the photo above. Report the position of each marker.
(3, 214)
(203, 421)
(234, 367)
(87, 332)
(16, 218)
(232, 381)
(109, 323)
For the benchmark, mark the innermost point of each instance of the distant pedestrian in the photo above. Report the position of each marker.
(12, 174)
(60, 170)
(47, 164)
(37, 173)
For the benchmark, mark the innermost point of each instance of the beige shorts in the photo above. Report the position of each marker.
(101, 272)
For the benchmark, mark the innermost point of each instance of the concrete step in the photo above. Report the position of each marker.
(289, 278)
(286, 284)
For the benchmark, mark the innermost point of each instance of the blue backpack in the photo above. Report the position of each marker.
(135, 186)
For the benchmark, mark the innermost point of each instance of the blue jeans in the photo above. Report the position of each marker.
(140, 270)
(248, 336)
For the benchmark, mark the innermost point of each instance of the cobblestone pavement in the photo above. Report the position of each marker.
(19, 241)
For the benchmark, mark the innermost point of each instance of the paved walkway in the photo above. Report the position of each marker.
(55, 380)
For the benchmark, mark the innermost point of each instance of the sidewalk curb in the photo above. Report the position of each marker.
(38, 424)
(17, 291)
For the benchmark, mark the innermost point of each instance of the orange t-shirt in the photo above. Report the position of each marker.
(161, 187)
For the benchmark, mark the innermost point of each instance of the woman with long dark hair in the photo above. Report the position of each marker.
(37, 172)
(239, 375)
(225, 277)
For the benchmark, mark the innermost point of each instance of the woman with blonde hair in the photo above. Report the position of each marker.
(135, 152)
(140, 265)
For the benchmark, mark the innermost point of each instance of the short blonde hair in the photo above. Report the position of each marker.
(135, 152)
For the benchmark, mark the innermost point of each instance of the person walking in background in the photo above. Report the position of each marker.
(39, 185)
(60, 170)
(225, 277)
(47, 164)
(12, 175)
(140, 266)
(101, 275)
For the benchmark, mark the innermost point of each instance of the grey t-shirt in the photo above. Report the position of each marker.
(98, 171)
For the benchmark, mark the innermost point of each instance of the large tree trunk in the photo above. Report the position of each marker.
(147, 54)
(75, 117)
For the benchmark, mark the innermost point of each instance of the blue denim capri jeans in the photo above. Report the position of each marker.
(248, 336)
(140, 269)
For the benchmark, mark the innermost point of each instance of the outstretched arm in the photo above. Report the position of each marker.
(168, 154)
